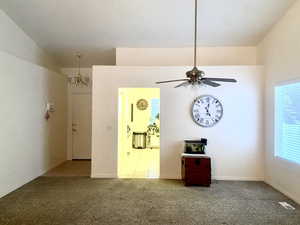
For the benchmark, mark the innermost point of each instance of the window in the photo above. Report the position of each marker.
(287, 122)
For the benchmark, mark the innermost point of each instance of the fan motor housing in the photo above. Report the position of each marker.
(195, 74)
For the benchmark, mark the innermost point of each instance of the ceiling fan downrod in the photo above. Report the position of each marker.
(196, 76)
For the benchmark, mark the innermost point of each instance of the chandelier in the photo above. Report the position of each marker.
(79, 80)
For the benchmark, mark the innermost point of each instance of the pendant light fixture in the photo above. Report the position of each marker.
(79, 80)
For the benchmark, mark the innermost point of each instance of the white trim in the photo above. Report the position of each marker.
(178, 177)
(69, 127)
(276, 129)
(287, 82)
(31, 178)
(229, 178)
(104, 175)
(283, 191)
(233, 178)
(170, 176)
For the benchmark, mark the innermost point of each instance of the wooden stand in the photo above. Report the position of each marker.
(196, 170)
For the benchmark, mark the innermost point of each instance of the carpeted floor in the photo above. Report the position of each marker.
(85, 201)
(72, 168)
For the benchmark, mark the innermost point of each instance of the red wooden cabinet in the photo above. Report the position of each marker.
(196, 170)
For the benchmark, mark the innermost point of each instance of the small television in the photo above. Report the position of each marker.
(195, 146)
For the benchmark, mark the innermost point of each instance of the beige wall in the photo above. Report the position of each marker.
(29, 145)
(235, 144)
(207, 56)
(280, 53)
(14, 41)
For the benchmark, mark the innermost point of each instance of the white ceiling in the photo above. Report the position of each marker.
(96, 27)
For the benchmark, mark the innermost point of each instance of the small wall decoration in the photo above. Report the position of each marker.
(142, 104)
(50, 108)
(207, 111)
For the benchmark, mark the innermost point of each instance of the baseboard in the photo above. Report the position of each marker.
(283, 191)
(170, 177)
(176, 177)
(233, 178)
(113, 175)
(30, 178)
(104, 175)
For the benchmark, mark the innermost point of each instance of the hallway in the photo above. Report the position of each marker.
(74, 168)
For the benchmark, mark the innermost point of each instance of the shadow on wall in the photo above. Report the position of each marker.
(31, 144)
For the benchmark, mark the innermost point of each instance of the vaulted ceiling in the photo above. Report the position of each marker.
(96, 27)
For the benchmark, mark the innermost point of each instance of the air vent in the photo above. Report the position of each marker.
(286, 205)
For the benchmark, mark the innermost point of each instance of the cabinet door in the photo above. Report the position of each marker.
(196, 171)
(199, 164)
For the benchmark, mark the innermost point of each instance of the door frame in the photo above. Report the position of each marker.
(70, 120)
(120, 131)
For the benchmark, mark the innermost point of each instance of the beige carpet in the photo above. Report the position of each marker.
(81, 168)
(86, 201)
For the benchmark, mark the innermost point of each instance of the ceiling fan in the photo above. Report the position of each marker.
(196, 76)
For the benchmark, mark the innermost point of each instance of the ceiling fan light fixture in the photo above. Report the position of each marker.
(196, 76)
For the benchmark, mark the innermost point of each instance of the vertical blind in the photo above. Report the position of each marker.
(287, 122)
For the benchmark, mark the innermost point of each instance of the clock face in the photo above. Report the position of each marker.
(142, 104)
(207, 111)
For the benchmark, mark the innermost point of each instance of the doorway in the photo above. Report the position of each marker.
(81, 126)
(139, 133)
(79, 155)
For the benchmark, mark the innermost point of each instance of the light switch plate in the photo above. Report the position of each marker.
(50, 107)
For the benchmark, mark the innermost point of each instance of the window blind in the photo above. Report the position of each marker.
(287, 122)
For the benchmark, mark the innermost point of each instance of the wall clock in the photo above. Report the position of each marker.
(142, 104)
(207, 111)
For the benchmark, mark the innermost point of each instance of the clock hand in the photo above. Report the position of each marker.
(207, 111)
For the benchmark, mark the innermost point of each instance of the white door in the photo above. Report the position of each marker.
(81, 126)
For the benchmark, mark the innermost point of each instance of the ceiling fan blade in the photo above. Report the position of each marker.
(210, 83)
(220, 79)
(182, 84)
(168, 81)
